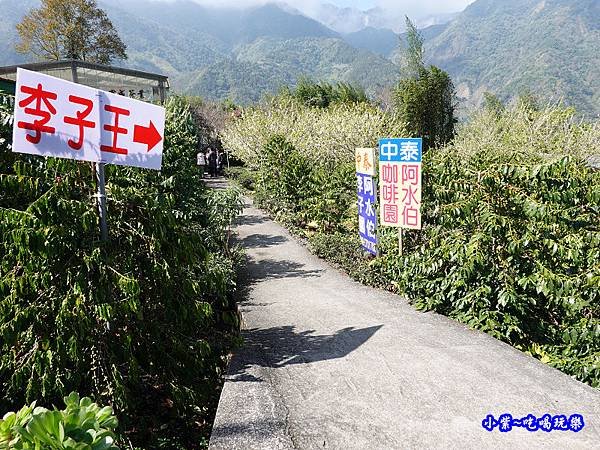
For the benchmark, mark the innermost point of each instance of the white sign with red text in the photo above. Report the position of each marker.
(58, 118)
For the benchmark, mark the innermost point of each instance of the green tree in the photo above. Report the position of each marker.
(413, 56)
(528, 101)
(324, 94)
(492, 103)
(425, 96)
(73, 29)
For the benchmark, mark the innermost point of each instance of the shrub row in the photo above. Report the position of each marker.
(141, 322)
(511, 237)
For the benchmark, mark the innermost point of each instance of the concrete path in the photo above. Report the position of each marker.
(331, 364)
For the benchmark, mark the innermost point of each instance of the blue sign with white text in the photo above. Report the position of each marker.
(547, 423)
(401, 150)
(367, 215)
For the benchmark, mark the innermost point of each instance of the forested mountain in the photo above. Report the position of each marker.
(242, 53)
(381, 41)
(508, 47)
(550, 48)
(219, 53)
(267, 64)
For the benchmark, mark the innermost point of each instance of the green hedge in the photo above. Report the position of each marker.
(142, 322)
(511, 237)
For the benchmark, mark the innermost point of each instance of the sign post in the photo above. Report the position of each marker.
(58, 118)
(400, 232)
(401, 184)
(367, 216)
(102, 200)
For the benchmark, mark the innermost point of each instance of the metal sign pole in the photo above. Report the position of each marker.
(400, 230)
(102, 200)
(100, 179)
(145, 134)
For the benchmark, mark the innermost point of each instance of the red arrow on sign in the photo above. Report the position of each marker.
(147, 135)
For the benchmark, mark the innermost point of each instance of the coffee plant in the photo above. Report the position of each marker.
(325, 135)
(511, 213)
(139, 322)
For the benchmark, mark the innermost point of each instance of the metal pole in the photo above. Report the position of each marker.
(161, 91)
(400, 240)
(74, 74)
(100, 179)
(102, 200)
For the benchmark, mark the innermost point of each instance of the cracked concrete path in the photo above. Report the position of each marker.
(331, 364)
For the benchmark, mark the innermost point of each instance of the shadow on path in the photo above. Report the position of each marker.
(251, 220)
(269, 269)
(261, 241)
(283, 346)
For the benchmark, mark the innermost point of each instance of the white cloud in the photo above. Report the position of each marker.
(422, 8)
(412, 8)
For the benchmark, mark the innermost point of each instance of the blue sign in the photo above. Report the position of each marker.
(400, 150)
(367, 215)
(547, 423)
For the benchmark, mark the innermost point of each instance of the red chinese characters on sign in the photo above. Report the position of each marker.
(390, 213)
(400, 175)
(57, 118)
(411, 195)
(79, 120)
(411, 173)
(390, 194)
(389, 173)
(115, 129)
(43, 109)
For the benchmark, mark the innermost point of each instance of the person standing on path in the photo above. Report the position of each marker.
(212, 162)
(201, 161)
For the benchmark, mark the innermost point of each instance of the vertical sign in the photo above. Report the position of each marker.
(367, 216)
(400, 181)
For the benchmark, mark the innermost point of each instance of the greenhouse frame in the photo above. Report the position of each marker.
(130, 83)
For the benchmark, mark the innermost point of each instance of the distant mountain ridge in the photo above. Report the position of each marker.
(547, 47)
(251, 52)
(349, 19)
(508, 47)
(219, 53)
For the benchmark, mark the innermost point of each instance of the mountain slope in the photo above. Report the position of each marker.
(229, 27)
(219, 53)
(266, 64)
(381, 41)
(547, 47)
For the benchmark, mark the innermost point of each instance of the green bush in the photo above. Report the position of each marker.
(301, 191)
(323, 94)
(511, 238)
(514, 251)
(325, 136)
(139, 322)
(243, 176)
(512, 242)
(81, 425)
